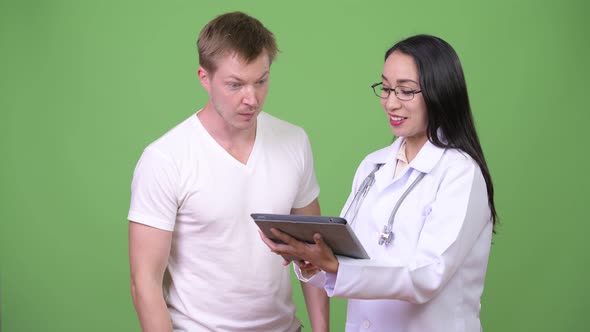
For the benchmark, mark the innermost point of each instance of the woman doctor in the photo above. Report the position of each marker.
(423, 208)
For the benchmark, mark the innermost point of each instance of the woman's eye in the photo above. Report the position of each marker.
(234, 85)
(261, 82)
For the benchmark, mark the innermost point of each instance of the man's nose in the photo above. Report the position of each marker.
(250, 96)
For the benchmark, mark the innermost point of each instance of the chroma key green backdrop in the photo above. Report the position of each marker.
(86, 85)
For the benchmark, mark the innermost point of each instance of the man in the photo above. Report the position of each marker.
(193, 191)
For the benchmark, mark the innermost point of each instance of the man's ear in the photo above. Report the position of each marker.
(204, 78)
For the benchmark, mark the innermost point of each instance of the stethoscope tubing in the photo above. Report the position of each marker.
(387, 235)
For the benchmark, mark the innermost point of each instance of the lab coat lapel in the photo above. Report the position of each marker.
(384, 177)
(424, 162)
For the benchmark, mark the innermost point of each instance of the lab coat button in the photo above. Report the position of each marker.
(366, 324)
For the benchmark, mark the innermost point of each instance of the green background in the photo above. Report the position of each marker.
(86, 85)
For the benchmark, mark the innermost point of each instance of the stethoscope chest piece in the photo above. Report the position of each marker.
(386, 236)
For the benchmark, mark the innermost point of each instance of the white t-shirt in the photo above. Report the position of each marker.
(222, 276)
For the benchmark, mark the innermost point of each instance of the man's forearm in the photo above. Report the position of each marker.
(151, 308)
(316, 299)
(318, 307)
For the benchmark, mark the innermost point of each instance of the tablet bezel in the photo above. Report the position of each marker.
(335, 231)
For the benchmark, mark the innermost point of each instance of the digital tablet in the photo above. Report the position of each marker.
(335, 231)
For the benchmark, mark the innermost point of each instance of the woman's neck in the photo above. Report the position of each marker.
(413, 146)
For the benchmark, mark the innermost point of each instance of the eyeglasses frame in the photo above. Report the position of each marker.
(389, 90)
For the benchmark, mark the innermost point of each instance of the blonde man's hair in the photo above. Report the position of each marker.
(234, 33)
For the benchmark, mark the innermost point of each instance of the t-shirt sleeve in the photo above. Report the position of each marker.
(154, 191)
(309, 189)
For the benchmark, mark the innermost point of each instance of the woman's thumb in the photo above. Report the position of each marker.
(317, 238)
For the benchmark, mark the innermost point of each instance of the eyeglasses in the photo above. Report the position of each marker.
(401, 92)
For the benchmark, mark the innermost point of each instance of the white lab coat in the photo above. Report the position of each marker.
(431, 276)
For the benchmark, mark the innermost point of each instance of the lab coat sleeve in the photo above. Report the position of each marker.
(317, 280)
(458, 216)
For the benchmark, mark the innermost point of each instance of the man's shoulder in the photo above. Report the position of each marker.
(175, 137)
(278, 126)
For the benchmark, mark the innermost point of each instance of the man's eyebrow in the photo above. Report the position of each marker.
(234, 77)
(265, 74)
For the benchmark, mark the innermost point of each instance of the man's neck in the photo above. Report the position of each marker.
(237, 142)
(219, 129)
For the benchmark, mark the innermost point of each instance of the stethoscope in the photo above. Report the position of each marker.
(387, 234)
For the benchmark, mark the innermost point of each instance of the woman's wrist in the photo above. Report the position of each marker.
(332, 266)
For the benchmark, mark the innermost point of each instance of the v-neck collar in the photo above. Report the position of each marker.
(217, 147)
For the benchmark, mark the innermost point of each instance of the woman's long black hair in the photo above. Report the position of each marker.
(443, 86)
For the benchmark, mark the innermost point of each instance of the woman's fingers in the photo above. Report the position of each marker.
(270, 243)
(286, 238)
(319, 241)
(285, 249)
(317, 238)
(287, 246)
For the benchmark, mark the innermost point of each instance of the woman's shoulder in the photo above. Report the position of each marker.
(458, 163)
(457, 156)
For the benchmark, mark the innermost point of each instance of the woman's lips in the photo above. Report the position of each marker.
(395, 120)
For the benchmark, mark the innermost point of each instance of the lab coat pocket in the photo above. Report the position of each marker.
(408, 224)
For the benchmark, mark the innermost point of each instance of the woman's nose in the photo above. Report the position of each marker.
(391, 102)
